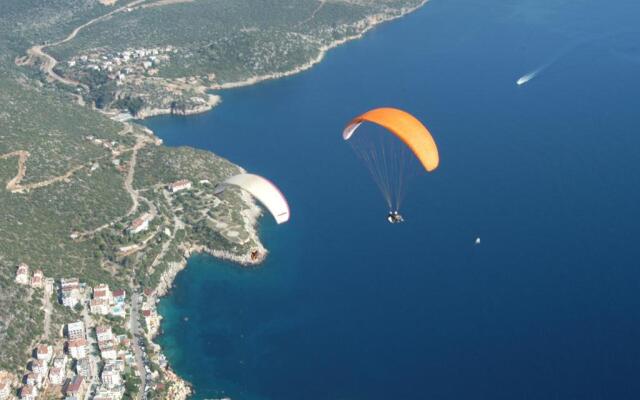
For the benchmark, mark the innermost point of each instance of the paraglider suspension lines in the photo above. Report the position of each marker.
(390, 163)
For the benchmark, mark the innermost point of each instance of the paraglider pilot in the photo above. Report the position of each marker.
(385, 155)
(394, 217)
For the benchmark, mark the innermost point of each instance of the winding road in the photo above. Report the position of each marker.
(49, 63)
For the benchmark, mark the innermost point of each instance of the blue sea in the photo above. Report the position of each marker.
(547, 174)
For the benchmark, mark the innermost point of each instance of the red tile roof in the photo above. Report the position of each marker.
(43, 349)
(181, 182)
(75, 384)
(27, 391)
(77, 342)
(103, 329)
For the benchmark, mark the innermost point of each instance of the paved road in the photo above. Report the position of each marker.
(134, 328)
(49, 63)
(94, 359)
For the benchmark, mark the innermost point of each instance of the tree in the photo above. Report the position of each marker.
(131, 104)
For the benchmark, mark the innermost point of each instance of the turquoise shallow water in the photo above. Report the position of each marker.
(349, 307)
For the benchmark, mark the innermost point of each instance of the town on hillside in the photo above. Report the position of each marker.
(103, 355)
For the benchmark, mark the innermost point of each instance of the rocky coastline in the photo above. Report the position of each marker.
(181, 389)
(251, 216)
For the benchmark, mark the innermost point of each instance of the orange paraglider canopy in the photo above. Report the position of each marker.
(406, 127)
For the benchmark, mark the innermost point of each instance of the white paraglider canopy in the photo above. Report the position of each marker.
(264, 191)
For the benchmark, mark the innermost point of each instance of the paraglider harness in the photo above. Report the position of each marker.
(394, 217)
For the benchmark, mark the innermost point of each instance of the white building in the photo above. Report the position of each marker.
(104, 333)
(84, 368)
(39, 367)
(69, 283)
(78, 348)
(75, 330)
(99, 306)
(56, 376)
(44, 352)
(105, 393)
(111, 376)
(70, 291)
(118, 364)
(48, 285)
(102, 291)
(5, 389)
(119, 296)
(108, 352)
(177, 186)
(22, 274)
(34, 379)
(60, 361)
(151, 320)
(28, 392)
(140, 224)
(70, 297)
(37, 280)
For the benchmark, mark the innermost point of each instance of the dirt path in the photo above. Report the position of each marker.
(14, 185)
(141, 141)
(313, 14)
(37, 185)
(47, 312)
(75, 32)
(177, 225)
(22, 169)
(48, 63)
(160, 3)
(136, 198)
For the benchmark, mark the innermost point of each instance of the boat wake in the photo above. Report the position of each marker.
(526, 78)
(563, 52)
(536, 72)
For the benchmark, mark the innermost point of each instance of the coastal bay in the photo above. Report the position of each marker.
(82, 179)
(346, 306)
